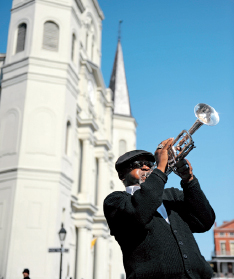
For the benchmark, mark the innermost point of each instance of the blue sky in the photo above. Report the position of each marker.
(177, 54)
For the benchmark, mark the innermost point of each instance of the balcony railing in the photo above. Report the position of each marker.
(223, 253)
(223, 275)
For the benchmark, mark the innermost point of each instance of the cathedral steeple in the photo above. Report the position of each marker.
(118, 83)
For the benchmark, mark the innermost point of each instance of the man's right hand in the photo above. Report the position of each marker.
(161, 154)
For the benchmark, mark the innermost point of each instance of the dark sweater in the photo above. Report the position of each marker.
(151, 247)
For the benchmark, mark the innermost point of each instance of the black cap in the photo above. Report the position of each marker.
(128, 157)
(26, 271)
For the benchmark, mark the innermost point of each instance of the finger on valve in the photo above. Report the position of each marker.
(166, 144)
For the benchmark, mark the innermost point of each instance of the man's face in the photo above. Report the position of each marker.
(137, 171)
(25, 274)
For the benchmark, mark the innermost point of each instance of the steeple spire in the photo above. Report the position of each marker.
(118, 82)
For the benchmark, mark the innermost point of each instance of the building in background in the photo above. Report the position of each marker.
(61, 130)
(223, 257)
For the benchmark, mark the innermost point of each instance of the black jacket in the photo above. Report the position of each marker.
(151, 247)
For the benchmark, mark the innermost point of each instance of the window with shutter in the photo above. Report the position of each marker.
(223, 248)
(51, 35)
(232, 248)
(22, 28)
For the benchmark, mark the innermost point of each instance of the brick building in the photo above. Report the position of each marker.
(223, 256)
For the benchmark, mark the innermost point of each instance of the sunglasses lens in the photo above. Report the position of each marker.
(150, 164)
(140, 164)
(137, 165)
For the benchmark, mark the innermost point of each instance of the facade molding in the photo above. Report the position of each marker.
(103, 143)
(80, 5)
(31, 173)
(98, 9)
(86, 123)
(22, 5)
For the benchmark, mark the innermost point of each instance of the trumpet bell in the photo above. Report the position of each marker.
(206, 114)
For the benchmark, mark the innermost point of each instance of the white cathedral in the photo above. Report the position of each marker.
(61, 131)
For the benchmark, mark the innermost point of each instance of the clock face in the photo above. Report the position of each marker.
(91, 92)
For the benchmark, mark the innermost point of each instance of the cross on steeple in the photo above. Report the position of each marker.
(119, 32)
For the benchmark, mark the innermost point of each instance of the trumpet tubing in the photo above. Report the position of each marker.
(184, 143)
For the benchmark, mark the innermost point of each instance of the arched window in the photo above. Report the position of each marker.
(92, 48)
(122, 147)
(10, 132)
(51, 35)
(96, 180)
(20, 45)
(86, 40)
(90, 37)
(80, 152)
(73, 49)
(68, 138)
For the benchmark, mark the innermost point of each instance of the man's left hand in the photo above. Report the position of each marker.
(184, 170)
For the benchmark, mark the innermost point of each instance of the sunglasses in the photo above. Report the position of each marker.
(140, 164)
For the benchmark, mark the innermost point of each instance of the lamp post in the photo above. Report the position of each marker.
(62, 235)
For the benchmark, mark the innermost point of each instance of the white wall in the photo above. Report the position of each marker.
(41, 91)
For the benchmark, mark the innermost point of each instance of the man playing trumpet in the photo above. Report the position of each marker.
(154, 226)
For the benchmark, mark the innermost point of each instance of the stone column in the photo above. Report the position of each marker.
(100, 259)
(108, 122)
(101, 182)
(83, 256)
(218, 268)
(85, 167)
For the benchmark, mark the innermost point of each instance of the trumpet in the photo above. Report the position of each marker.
(184, 143)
